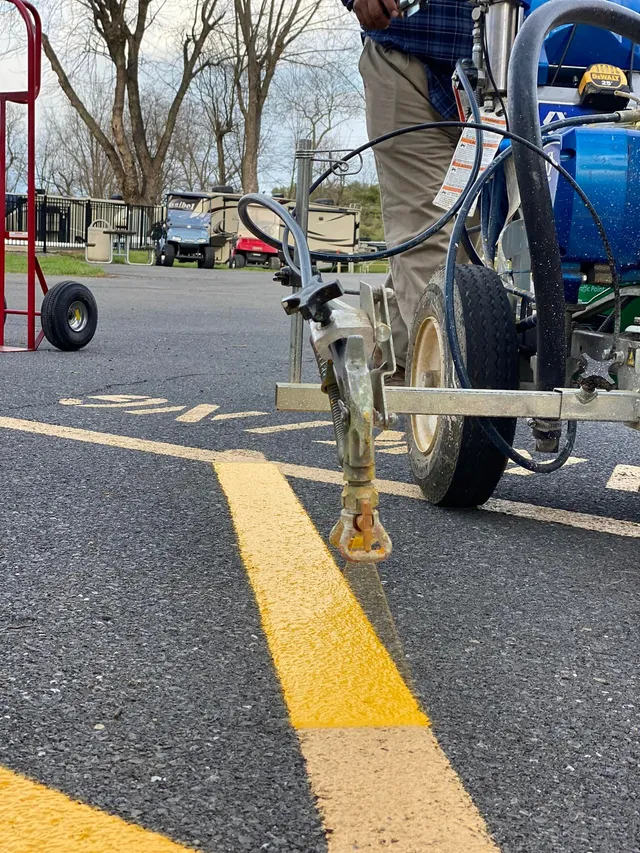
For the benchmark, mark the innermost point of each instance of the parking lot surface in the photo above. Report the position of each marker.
(179, 652)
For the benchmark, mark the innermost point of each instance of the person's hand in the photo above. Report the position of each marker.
(375, 14)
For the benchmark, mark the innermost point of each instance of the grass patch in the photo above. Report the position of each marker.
(71, 263)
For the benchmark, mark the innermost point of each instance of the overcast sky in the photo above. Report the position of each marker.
(275, 170)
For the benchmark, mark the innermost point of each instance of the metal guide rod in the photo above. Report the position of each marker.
(304, 162)
(563, 403)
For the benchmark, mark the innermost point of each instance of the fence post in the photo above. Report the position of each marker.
(87, 221)
(43, 221)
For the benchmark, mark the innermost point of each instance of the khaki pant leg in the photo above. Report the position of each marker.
(411, 169)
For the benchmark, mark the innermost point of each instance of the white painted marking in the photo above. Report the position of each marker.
(198, 413)
(229, 416)
(159, 411)
(625, 478)
(289, 427)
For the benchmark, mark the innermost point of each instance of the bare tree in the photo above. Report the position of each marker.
(16, 148)
(315, 103)
(71, 160)
(217, 96)
(265, 31)
(114, 31)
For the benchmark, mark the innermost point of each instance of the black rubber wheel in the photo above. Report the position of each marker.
(69, 315)
(207, 262)
(452, 459)
(239, 261)
(158, 256)
(274, 262)
(167, 255)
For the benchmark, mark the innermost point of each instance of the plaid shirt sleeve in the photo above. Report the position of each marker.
(439, 35)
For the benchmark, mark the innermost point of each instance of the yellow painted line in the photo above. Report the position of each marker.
(197, 413)
(625, 478)
(378, 774)
(155, 411)
(36, 819)
(125, 442)
(289, 427)
(228, 416)
(390, 789)
(582, 520)
(334, 670)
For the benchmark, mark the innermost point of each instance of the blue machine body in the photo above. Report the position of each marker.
(606, 164)
(605, 161)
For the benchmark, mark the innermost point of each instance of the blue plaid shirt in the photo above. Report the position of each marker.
(439, 35)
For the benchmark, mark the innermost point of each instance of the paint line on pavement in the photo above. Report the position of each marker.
(126, 442)
(582, 520)
(390, 788)
(36, 819)
(146, 401)
(289, 427)
(156, 411)
(378, 774)
(334, 670)
(197, 413)
(625, 478)
(534, 512)
(229, 416)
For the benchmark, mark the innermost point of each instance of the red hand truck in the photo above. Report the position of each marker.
(69, 313)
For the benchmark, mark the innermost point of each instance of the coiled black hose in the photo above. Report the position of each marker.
(605, 118)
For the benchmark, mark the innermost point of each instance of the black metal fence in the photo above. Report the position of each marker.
(62, 223)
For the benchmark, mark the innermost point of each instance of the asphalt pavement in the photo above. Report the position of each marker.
(135, 674)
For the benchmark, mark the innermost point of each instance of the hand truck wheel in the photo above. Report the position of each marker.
(69, 315)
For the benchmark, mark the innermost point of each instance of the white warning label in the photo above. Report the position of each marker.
(462, 162)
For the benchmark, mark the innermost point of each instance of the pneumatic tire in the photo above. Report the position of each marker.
(167, 255)
(452, 459)
(69, 316)
(208, 259)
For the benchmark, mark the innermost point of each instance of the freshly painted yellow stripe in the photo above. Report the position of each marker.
(378, 774)
(334, 670)
(35, 819)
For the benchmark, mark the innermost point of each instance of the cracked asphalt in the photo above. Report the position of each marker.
(134, 674)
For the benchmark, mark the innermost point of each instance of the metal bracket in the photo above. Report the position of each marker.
(561, 404)
(374, 302)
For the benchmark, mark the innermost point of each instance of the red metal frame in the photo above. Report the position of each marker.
(28, 97)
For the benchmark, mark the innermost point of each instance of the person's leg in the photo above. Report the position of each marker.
(411, 169)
